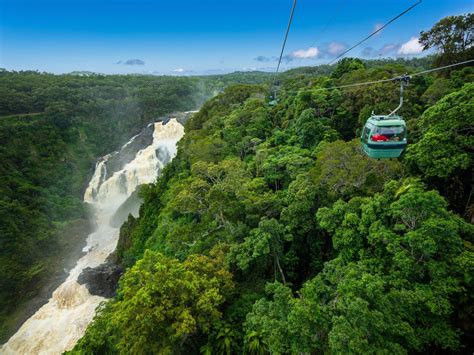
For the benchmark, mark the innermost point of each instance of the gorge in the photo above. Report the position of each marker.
(57, 325)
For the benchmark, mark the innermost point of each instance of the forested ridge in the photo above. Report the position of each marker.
(52, 129)
(272, 232)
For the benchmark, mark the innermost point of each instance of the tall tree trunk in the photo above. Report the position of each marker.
(277, 263)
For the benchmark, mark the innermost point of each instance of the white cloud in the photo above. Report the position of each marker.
(311, 52)
(411, 47)
(336, 48)
(179, 70)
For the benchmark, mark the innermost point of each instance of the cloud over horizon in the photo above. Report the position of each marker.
(332, 49)
(308, 53)
(327, 50)
(131, 62)
(411, 47)
(264, 59)
(311, 52)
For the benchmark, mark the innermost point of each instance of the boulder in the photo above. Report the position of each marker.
(101, 280)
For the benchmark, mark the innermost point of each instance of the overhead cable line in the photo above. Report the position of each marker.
(286, 36)
(396, 78)
(375, 32)
(274, 77)
(444, 67)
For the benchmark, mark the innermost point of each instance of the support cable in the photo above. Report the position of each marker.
(396, 78)
(375, 32)
(283, 46)
(286, 36)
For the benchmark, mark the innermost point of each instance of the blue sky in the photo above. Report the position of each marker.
(204, 36)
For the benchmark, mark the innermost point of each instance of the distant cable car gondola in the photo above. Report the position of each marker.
(272, 101)
(385, 136)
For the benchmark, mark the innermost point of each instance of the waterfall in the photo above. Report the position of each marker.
(60, 323)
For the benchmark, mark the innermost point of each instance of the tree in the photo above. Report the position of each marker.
(267, 325)
(346, 65)
(282, 164)
(306, 252)
(443, 154)
(223, 340)
(263, 243)
(342, 170)
(453, 37)
(311, 129)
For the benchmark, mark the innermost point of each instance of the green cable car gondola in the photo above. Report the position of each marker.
(272, 101)
(273, 94)
(385, 136)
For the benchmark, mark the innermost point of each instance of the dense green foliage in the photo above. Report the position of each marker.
(329, 251)
(389, 288)
(164, 303)
(452, 37)
(271, 231)
(443, 154)
(52, 128)
(40, 174)
(106, 109)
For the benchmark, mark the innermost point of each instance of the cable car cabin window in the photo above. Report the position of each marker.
(365, 134)
(388, 134)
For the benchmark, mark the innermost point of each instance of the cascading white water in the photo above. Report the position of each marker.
(60, 323)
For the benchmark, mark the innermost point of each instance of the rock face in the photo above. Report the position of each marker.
(181, 117)
(101, 280)
(130, 206)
